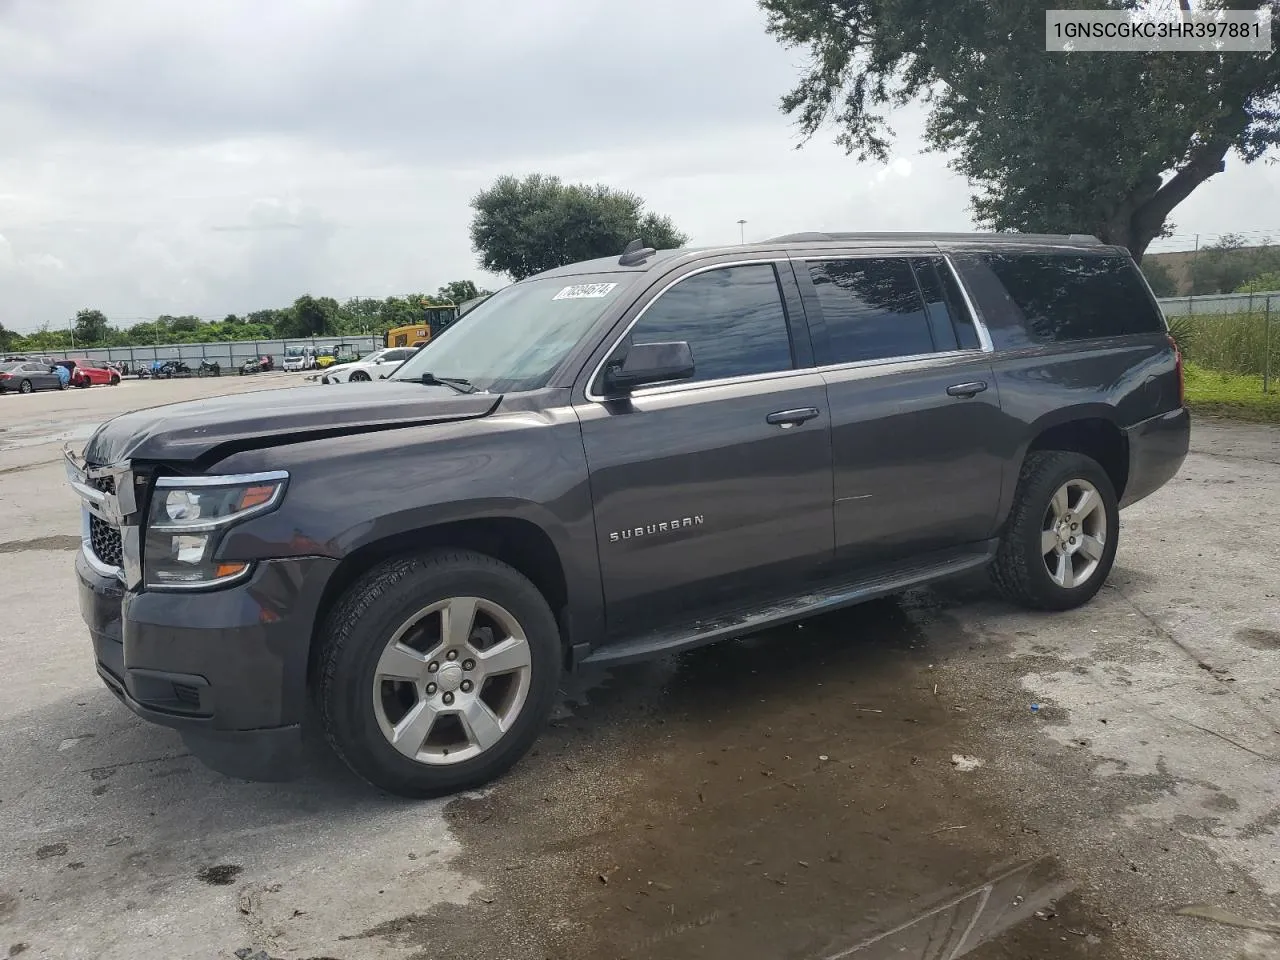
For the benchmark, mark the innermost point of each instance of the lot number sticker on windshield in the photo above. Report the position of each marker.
(585, 291)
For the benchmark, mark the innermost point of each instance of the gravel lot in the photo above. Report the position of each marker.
(870, 784)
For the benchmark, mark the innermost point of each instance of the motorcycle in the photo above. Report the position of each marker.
(252, 365)
(173, 368)
(209, 368)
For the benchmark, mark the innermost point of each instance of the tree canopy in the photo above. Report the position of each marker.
(307, 316)
(1100, 143)
(522, 227)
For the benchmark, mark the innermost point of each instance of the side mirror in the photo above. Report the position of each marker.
(647, 363)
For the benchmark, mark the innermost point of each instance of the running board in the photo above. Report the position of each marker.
(829, 596)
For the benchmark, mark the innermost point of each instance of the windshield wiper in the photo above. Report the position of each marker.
(459, 384)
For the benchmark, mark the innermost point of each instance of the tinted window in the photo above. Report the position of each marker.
(732, 319)
(948, 314)
(871, 309)
(1064, 298)
(396, 356)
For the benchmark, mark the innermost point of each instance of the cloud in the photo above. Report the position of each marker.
(219, 156)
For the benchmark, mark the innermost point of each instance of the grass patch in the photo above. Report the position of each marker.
(1231, 395)
(1233, 342)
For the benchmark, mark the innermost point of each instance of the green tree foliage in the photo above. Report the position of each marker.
(460, 291)
(1100, 143)
(91, 327)
(1161, 280)
(1268, 282)
(308, 316)
(521, 227)
(1228, 264)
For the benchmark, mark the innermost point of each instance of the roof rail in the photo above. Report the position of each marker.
(815, 236)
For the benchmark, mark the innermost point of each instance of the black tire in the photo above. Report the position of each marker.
(25, 387)
(1019, 570)
(358, 376)
(356, 633)
(115, 381)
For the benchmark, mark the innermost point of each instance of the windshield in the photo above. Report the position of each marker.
(515, 339)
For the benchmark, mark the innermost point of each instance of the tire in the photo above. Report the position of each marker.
(358, 376)
(1031, 540)
(115, 381)
(382, 605)
(25, 387)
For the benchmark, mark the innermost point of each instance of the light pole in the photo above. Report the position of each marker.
(742, 231)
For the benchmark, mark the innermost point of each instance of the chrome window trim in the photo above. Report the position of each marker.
(774, 259)
(888, 361)
(984, 336)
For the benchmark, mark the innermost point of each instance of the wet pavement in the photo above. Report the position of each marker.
(871, 784)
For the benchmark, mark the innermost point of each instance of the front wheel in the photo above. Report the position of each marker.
(438, 672)
(25, 387)
(358, 376)
(1060, 541)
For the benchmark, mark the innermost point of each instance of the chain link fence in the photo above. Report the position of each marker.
(1235, 333)
(228, 354)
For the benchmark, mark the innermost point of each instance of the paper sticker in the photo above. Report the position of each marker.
(585, 291)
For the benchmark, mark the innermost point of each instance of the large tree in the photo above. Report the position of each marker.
(460, 291)
(1101, 143)
(524, 226)
(91, 327)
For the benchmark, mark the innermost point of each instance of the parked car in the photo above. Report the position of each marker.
(297, 359)
(87, 373)
(27, 376)
(618, 460)
(376, 366)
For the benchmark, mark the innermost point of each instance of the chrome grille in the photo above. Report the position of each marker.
(104, 537)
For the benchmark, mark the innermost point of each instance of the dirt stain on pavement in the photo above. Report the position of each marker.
(789, 795)
(220, 874)
(1259, 639)
(40, 543)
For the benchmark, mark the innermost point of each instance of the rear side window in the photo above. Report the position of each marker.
(950, 319)
(731, 317)
(1061, 298)
(871, 309)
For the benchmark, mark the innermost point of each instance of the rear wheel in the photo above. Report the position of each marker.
(1060, 541)
(438, 672)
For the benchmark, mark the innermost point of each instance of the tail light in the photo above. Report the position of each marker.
(5, 376)
(1182, 382)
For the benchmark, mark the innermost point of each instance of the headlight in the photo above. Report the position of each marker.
(188, 520)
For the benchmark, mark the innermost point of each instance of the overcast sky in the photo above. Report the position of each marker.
(217, 156)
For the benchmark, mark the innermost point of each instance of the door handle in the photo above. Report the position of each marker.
(790, 418)
(966, 389)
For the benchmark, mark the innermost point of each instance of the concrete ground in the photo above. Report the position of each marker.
(930, 777)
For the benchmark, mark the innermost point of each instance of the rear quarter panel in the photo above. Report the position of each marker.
(1125, 380)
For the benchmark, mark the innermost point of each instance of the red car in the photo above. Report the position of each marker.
(85, 373)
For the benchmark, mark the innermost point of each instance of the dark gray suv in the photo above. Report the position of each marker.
(613, 460)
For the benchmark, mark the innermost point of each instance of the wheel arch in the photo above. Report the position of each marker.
(1091, 430)
(519, 542)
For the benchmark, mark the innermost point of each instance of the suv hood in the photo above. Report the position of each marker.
(216, 427)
